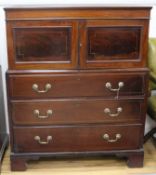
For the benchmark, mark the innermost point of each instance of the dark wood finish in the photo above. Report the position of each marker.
(136, 160)
(73, 138)
(103, 46)
(69, 111)
(17, 164)
(113, 44)
(43, 44)
(76, 85)
(123, 41)
(78, 13)
(110, 43)
(25, 157)
(36, 44)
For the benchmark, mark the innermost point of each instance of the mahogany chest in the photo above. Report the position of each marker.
(77, 82)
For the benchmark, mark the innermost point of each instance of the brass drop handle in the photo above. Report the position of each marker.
(38, 139)
(109, 86)
(120, 85)
(107, 138)
(108, 111)
(37, 114)
(35, 87)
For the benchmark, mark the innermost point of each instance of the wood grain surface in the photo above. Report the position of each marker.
(86, 166)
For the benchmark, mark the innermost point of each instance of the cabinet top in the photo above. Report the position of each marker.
(73, 3)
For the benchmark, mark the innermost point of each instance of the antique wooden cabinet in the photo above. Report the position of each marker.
(77, 82)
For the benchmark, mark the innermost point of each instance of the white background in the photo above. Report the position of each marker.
(3, 50)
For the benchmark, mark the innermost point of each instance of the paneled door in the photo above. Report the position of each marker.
(43, 44)
(113, 43)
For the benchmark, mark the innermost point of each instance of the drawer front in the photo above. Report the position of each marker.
(109, 85)
(77, 138)
(113, 44)
(76, 111)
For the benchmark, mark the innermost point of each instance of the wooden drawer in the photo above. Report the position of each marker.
(109, 85)
(70, 111)
(77, 138)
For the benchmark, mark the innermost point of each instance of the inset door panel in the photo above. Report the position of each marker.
(43, 44)
(36, 44)
(111, 44)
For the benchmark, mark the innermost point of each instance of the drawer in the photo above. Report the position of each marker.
(77, 138)
(70, 111)
(109, 85)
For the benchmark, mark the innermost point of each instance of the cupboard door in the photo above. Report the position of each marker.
(113, 43)
(42, 44)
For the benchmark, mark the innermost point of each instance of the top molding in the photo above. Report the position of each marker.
(79, 13)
